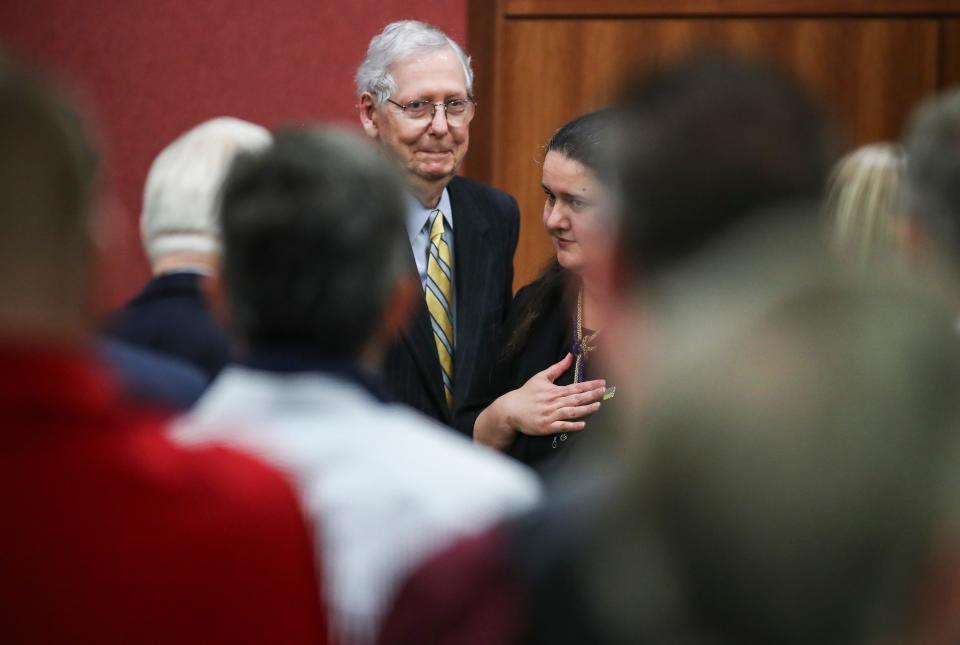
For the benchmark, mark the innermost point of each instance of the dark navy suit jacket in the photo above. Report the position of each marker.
(484, 241)
(170, 316)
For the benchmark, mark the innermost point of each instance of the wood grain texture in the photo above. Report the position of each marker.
(483, 35)
(664, 8)
(868, 72)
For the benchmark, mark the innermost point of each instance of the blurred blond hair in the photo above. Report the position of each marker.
(865, 199)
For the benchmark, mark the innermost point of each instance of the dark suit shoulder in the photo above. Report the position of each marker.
(492, 200)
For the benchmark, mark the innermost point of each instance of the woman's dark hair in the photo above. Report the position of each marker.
(588, 140)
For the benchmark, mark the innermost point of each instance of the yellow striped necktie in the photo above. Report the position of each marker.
(439, 292)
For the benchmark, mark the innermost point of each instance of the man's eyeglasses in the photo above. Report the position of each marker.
(458, 111)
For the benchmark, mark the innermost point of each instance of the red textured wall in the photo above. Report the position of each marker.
(150, 70)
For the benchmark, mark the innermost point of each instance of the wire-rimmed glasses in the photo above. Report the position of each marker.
(458, 111)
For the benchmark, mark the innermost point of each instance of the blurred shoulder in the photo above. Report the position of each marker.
(462, 466)
(465, 594)
(233, 485)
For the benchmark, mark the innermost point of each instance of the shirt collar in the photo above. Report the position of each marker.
(291, 360)
(418, 215)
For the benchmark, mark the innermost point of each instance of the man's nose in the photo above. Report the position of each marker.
(438, 124)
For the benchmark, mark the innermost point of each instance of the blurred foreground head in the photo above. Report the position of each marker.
(933, 174)
(796, 461)
(47, 169)
(315, 245)
(706, 144)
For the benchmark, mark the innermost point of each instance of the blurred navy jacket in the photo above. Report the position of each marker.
(151, 378)
(170, 316)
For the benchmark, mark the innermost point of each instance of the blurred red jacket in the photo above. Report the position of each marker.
(112, 534)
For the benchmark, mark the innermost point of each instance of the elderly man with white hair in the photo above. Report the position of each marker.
(415, 90)
(181, 237)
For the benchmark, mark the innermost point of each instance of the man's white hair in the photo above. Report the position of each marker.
(181, 196)
(397, 41)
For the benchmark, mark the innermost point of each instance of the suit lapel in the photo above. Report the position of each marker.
(472, 268)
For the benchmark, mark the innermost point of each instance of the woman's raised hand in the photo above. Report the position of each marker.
(539, 407)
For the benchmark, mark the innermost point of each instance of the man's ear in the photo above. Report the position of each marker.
(401, 305)
(369, 116)
(215, 295)
(911, 239)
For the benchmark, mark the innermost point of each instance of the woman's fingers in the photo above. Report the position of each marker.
(569, 412)
(578, 388)
(567, 426)
(582, 398)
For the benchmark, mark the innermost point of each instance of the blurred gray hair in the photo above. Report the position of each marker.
(397, 41)
(315, 241)
(181, 193)
(933, 172)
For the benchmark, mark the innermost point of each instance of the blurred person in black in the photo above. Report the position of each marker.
(542, 386)
(931, 235)
(706, 146)
(797, 467)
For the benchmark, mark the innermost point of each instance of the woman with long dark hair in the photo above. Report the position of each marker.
(543, 389)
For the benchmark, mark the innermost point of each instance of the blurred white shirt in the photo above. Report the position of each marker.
(383, 485)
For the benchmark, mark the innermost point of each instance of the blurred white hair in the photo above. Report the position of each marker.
(182, 190)
(397, 41)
